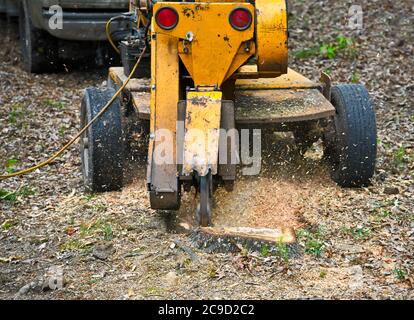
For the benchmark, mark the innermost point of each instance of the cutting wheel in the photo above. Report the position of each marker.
(204, 205)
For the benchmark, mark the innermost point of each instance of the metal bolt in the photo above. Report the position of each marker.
(189, 36)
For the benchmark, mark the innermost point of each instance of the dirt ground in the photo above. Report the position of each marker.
(353, 244)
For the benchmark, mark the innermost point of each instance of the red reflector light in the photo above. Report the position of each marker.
(240, 19)
(167, 18)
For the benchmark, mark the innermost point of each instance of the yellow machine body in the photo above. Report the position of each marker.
(217, 69)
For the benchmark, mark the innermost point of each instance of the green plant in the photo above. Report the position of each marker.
(8, 224)
(282, 250)
(89, 196)
(212, 272)
(12, 196)
(55, 104)
(155, 291)
(385, 213)
(401, 156)
(355, 77)
(62, 131)
(264, 250)
(107, 232)
(10, 165)
(26, 191)
(399, 274)
(312, 241)
(6, 195)
(313, 247)
(80, 240)
(347, 44)
(16, 113)
(343, 42)
(74, 245)
(328, 51)
(100, 229)
(382, 215)
(360, 232)
(328, 71)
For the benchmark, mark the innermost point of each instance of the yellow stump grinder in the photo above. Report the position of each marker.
(196, 74)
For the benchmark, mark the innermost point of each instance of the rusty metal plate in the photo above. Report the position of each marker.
(281, 106)
(141, 102)
(134, 85)
(202, 124)
(138, 88)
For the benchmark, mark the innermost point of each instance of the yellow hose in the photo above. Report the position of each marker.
(108, 35)
(73, 140)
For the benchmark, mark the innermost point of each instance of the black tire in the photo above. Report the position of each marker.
(102, 146)
(351, 147)
(40, 51)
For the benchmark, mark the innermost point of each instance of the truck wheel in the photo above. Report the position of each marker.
(39, 49)
(102, 145)
(351, 145)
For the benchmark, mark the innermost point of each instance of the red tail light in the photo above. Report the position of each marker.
(240, 19)
(167, 18)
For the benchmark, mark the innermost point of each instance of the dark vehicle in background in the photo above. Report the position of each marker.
(9, 8)
(83, 23)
